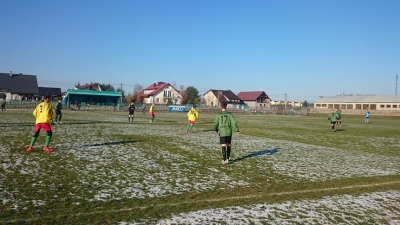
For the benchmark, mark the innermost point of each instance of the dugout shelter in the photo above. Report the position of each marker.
(92, 97)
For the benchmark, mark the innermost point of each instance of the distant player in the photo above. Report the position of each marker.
(223, 125)
(339, 121)
(143, 108)
(333, 116)
(367, 116)
(193, 115)
(43, 113)
(58, 111)
(151, 113)
(131, 109)
(3, 106)
(51, 109)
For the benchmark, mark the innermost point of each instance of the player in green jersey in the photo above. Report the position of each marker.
(339, 121)
(223, 125)
(333, 116)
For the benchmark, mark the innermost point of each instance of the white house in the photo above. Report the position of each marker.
(160, 93)
(214, 97)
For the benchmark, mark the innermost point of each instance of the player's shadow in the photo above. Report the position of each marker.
(209, 130)
(339, 130)
(16, 125)
(76, 122)
(257, 153)
(109, 143)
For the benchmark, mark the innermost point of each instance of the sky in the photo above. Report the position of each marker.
(298, 49)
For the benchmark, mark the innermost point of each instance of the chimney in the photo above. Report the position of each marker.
(154, 84)
(11, 74)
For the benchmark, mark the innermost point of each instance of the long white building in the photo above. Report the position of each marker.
(378, 104)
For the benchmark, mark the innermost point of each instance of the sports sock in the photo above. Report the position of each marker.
(48, 139)
(33, 140)
(228, 152)
(224, 152)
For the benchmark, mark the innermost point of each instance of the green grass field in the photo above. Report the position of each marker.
(285, 170)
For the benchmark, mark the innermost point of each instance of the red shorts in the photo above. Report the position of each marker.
(151, 114)
(191, 122)
(45, 126)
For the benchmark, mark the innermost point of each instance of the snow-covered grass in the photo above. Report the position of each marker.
(106, 169)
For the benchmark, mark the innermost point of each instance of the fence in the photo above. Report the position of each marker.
(161, 108)
(360, 112)
(21, 104)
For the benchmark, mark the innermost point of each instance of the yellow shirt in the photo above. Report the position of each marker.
(43, 112)
(193, 115)
(151, 109)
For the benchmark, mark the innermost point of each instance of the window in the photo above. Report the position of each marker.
(323, 105)
(318, 105)
(365, 106)
(336, 106)
(382, 106)
(157, 100)
(394, 107)
(343, 106)
(330, 106)
(388, 106)
(358, 106)
(167, 94)
(349, 106)
(372, 106)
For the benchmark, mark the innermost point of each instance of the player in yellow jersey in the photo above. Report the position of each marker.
(193, 115)
(151, 113)
(43, 114)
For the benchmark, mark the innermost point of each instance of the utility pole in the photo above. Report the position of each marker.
(285, 100)
(121, 94)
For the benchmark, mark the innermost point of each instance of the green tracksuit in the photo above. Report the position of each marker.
(224, 122)
(333, 117)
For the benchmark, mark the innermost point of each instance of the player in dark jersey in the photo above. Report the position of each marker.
(131, 109)
(58, 111)
(223, 125)
(3, 106)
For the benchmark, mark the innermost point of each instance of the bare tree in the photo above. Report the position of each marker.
(137, 88)
(173, 84)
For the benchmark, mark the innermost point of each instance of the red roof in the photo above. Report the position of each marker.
(154, 88)
(251, 95)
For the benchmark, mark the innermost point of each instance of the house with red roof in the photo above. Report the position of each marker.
(160, 93)
(255, 99)
(214, 97)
